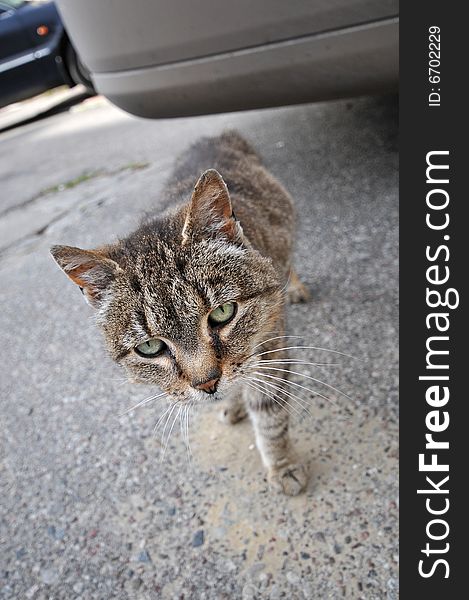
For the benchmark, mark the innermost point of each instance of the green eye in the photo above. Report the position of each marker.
(150, 348)
(222, 314)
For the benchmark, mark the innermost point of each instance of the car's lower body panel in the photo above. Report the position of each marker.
(355, 60)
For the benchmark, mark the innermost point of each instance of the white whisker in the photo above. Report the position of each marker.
(285, 287)
(278, 337)
(311, 391)
(293, 384)
(262, 383)
(293, 397)
(165, 447)
(297, 399)
(306, 348)
(258, 388)
(331, 387)
(184, 429)
(142, 402)
(172, 407)
(157, 424)
(188, 446)
(181, 423)
(293, 361)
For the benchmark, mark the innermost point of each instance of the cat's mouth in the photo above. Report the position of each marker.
(215, 397)
(219, 394)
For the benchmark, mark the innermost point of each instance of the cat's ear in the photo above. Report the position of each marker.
(92, 270)
(210, 211)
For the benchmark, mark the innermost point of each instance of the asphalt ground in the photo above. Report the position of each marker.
(87, 508)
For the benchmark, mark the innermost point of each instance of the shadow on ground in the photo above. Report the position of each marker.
(41, 107)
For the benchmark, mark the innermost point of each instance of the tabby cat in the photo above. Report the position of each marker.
(193, 300)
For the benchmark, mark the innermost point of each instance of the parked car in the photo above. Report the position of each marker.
(163, 58)
(35, 51)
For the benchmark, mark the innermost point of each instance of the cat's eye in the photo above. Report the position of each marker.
(222, 314)
(150, 348)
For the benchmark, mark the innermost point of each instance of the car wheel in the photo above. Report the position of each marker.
(79, 73)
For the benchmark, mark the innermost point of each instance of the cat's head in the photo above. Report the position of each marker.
(183, 301)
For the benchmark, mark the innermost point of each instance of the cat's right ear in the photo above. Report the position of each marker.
(210, 211)
(92, 270)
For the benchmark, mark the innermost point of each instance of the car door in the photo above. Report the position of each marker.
(20, 74)
(14, 42)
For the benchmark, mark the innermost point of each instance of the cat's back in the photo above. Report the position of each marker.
(225, 152)
(259, 201)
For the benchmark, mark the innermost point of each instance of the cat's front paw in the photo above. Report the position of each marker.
(296, 290)
(298, 294)
(290, 479)
(232, 414)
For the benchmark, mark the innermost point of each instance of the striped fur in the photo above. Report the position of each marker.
(224, 240)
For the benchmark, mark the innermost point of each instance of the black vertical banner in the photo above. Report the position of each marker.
(434, 263)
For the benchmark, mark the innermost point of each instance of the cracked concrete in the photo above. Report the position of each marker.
(33, 216)
(87, 510)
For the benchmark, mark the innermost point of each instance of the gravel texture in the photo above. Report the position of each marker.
(87, 509)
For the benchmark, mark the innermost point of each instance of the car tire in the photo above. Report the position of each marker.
(78, 72)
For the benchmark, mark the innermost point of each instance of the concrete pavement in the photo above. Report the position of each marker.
(86, 509)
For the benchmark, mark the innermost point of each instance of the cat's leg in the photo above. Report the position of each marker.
(270, 423)
(234, 409)
(296, 290)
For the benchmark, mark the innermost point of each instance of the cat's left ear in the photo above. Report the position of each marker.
(210, 211)
(92, 270)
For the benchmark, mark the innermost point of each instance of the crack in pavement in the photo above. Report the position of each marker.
(72, 183)
(20, 223)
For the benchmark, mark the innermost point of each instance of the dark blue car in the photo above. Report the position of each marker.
(35, 51)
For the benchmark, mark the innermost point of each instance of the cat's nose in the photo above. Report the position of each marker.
(210, 384)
